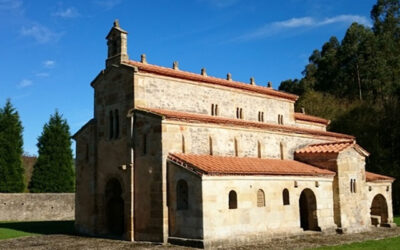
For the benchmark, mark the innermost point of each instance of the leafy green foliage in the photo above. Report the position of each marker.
(356, 84)
(53, 171)
(11, 170)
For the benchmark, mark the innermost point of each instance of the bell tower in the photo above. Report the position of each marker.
(117, 45)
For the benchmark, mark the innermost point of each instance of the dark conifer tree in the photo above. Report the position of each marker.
(53, 171)
(11, 142)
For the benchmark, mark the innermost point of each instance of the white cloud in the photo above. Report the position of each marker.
(49, 63)
(302, 22)
(70, 12)
(24, 83)
(107, 4)
(10, 4)
(40, 33)
(42, 74)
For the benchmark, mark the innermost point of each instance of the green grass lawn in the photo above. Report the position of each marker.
(18, 229)
(391, 243)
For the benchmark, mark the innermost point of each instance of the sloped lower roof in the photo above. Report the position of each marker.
(372, 177)
(310, 118)
(229, 165)
(192, 117)
(331, 147)
(145, 67)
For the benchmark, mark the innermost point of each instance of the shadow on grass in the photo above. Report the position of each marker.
(41, 227)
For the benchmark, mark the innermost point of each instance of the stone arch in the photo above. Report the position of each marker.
(379, 210)
(114, 207)
(308, 210)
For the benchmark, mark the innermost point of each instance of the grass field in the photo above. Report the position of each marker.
(391, 243)
(18, 229)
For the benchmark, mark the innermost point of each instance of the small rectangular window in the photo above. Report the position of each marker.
(280, 119)
(214, 109)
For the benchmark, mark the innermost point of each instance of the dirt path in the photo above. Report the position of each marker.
(76, 242)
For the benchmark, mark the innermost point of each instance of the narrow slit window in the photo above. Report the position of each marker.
(259, 149)
(144, 144)
(261, 116)
(116, 124)
(111, 125)
(282, 150)
(183, 144)
(236, 147)
(212, 109)
(216, 110)
(241, 113)
(238, 113)
(210, 145)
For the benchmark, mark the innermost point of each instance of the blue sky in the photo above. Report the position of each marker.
(51, 50)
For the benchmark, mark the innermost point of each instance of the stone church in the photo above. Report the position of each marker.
(187, 158)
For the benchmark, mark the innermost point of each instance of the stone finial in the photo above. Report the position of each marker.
(229, 77)
(203, 72)
(269, 84)
(116, 23)
(252, 81)
(303, 110)
(175, 65)
(143, 58)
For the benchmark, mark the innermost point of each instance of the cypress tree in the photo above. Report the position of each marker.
(11, 142)
(53, 171)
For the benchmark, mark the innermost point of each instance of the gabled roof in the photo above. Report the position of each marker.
(372, 177)
(331, 147)
(90, 122)
(149, 68)
(229, 165)
(310, 118)
(201, 118)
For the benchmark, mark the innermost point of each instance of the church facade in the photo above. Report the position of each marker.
(174, 156)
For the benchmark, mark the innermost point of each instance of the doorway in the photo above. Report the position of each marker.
(308, 211)
(114, 208)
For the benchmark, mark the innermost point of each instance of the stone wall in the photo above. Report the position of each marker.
(156, 91)
(380, 188)
(37, 207)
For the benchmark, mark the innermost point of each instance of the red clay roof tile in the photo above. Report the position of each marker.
(331, 147)
(310, 118)
(144, 67)
(192, 117)
(371, 177)
(229, 165)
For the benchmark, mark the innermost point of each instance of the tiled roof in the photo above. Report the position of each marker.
(144, 67)
(229, 165)
(310, 118)
(372, 177)
(192, 117)
(331, 147)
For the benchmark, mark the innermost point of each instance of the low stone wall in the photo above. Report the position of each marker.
(37, 207)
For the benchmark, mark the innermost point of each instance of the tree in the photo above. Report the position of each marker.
(11, 142)
(53, 171)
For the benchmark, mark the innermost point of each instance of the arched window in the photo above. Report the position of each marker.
(236, 147)
(285, 196)
(182, 195)
(260, 198)
(259, 149)
(210, 145)
(232, 200)
(111, 125)
(116, 135)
